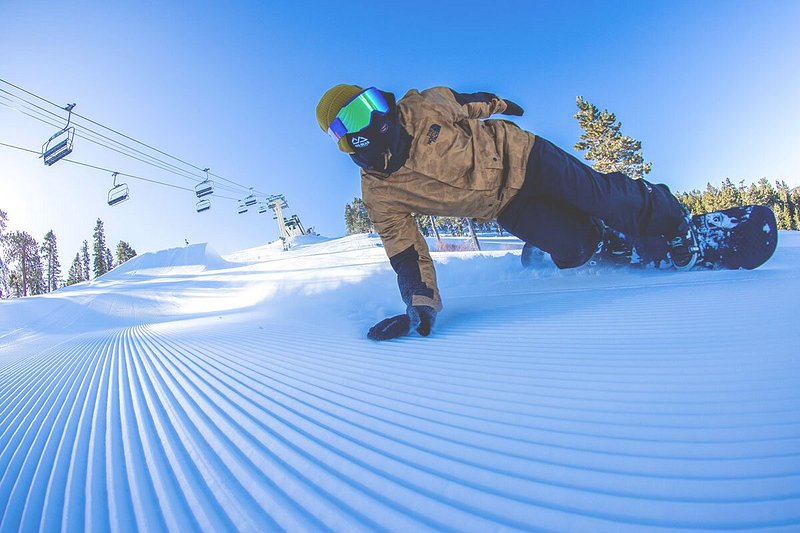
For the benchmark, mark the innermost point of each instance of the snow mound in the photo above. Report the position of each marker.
(194, 258)
(306, 245)
(306, 240)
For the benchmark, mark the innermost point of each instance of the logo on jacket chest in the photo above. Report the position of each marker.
(433, 133)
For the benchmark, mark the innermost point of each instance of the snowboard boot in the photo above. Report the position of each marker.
(617, 248)
(684, 248)
(613, 250)
(532, 256)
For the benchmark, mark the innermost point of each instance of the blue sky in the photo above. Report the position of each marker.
(709, 87)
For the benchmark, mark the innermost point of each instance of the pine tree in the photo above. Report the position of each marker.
(348, 219)
(762, 193)
(124, 252)
(795, 202)
(453, 226)
(99, 247)
(610, 150)
(710, 199)
(785, 213)
(692, 200)
(109, 259)
(356, 218)
(85, 261)
(4, 287)
(424, 224)
(37, 283)
(75, 271)
(15, 285)
(729, 195)
(52, 266)
(22, 256)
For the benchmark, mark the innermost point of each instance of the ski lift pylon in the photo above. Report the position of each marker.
(118, 193)
(60, 144)
(205, 187)
(277, 199)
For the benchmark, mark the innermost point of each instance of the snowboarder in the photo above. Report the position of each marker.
(436, 152)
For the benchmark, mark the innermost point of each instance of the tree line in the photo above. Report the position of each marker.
(28, 268)
(611, 151)
(356, 220)
(783, 201)
(603, 143)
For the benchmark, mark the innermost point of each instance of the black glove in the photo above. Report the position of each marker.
(422, 318)
(512, 109)
(390, 328)
(419, 318)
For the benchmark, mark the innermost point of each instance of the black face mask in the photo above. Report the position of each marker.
(383, 145)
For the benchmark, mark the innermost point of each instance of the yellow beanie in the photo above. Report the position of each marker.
(331, 103)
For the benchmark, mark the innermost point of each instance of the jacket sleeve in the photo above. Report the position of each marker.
(408, 253)
(479, 105)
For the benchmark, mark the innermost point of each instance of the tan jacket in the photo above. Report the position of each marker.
(458, 165)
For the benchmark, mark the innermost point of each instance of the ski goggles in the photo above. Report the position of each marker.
(357, 113)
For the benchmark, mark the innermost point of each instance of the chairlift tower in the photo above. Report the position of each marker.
(278, 203)
(294, 227)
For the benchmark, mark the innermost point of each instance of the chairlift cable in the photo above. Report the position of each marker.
(45, 121)
(123, 135)
(110, 147)
(163, 165)
(95, 167)
(237, 184)
(175, 170)
(179, 172)
(37, 152)
(108, 170)
(102, 126)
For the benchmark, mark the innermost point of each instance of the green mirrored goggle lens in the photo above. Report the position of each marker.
(357, 114)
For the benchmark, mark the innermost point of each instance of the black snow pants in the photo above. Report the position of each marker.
(564, 205)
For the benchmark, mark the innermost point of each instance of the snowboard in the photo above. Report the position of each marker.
(739, 237)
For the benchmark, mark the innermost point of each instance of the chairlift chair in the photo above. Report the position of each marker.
(250, 199)
(118, 193)
(242, 207)
(204, 188)
(59, 145)
(203, 205)
(262, 208)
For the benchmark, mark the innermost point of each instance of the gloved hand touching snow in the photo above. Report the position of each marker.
(419, 318)
(390, 328)
(422, 318)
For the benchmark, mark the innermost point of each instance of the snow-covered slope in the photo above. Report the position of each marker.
(184, 391)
